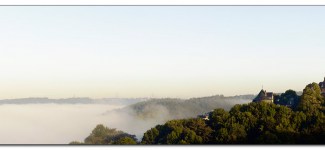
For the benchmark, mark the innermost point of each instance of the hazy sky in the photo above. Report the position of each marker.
(97, 52)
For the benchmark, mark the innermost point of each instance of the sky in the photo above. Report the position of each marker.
(159, 51)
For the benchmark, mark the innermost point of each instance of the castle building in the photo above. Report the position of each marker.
(322, 87)
(204, 116)
(270, 97)
(264, 96)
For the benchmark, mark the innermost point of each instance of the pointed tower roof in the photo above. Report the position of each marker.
(260, 96)
(322, 84)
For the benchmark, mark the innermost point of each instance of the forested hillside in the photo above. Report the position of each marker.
(253, 123)
(177, 108)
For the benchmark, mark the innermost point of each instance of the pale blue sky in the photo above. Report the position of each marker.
(162, 51)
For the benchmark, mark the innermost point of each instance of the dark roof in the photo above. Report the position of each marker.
(260, 96)
(269, 94)
(322, 84)
(263, 95)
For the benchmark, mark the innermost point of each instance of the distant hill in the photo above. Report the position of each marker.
(80, 100)
(169, 108)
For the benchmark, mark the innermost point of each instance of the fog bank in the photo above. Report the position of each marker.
(140, 117)
(63, 123)
(49, 123)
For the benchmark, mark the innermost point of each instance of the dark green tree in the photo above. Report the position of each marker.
(289, 98)
(311, 99)
(104, 135)
(186, 131)
(75, 143)
(125, 141)
(150, 137)
(99, 134)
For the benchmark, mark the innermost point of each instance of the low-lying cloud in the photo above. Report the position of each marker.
(49, 123)
(63, 123)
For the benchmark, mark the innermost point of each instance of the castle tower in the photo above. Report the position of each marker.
(322, 87)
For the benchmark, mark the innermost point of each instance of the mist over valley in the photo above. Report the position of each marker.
(60, 121)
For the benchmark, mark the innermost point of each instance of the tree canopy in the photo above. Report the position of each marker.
(253, 123)
(104, 135)
(293, 120)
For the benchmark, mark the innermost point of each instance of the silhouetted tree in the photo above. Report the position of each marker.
(104, 135)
